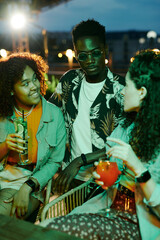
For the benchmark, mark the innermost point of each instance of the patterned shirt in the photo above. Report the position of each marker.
(105, 111)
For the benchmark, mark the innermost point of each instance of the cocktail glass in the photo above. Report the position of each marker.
(110, 175)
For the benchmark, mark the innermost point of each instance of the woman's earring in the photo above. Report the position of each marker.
(12, 93)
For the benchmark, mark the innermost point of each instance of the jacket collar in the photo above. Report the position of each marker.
(77, 81)
(45, 109)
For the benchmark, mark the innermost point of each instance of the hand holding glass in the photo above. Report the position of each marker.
(108, 174)
(21, 129)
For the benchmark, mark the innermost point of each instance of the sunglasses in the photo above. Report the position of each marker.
(83, 56)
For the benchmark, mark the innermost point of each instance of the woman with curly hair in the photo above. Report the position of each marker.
(22, 85)
(135, 146)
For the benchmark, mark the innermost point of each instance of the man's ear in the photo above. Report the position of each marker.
(106, 50)
(143, 92)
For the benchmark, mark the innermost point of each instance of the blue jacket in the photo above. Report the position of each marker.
(51, 137)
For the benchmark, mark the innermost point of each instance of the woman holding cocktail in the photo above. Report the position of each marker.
(137, 140)
(32, 135)
(135, 146)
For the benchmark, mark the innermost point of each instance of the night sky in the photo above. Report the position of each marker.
(116, 15)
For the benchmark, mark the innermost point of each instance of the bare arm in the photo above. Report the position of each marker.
(124, 152)
(91, 157)
(62, 182)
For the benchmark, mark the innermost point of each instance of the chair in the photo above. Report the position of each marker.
(65, 203)
(47, 195)
(48, 192)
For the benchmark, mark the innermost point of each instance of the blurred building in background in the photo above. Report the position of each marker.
(122, 46)
(56, 47)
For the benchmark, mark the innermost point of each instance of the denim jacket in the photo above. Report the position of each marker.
(51, 137)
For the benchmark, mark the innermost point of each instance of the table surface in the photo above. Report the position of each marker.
(15, 229)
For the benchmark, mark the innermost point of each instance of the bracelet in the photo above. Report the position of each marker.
(31, 184)
(84, 159)
(144, 177)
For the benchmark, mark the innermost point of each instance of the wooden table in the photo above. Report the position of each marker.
(15, 229)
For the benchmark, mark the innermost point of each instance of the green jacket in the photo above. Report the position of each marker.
(51, 137)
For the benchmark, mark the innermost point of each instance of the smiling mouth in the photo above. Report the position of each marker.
(35, 94)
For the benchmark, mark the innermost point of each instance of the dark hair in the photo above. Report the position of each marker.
(145, 136)
(11, 71)
(89, 28)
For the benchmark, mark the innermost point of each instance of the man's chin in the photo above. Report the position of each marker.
(92, 75)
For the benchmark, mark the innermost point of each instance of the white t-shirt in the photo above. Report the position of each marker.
(81, 133)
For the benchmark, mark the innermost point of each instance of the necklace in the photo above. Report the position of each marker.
(86, 94)
(25, 114)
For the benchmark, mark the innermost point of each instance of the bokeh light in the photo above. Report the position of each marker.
(69, 53)
(3, 53)
(60, 55)
(151, 34)
(106, 61)
(18, 21)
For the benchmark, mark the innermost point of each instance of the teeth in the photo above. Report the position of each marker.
(34, 94)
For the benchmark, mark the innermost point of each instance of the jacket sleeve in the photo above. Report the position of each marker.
(154, 202)
(48, 170)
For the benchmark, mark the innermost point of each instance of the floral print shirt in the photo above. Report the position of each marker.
(105, 111)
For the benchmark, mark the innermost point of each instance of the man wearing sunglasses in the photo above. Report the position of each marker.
(91, 103)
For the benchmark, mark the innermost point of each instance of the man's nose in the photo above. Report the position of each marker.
(90, 58)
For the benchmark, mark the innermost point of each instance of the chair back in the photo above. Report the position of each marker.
(65, 203)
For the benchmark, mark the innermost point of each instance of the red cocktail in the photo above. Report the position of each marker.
(108, 172)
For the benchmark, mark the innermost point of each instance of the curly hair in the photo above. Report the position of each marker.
(89, 28)
(145, 136)
(11, 70)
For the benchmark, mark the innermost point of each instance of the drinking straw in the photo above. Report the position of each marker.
(23, 128)
(108, 145)
(23, 115)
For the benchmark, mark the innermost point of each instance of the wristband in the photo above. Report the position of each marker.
(31, 184)
(145, 176)
(84, 159)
